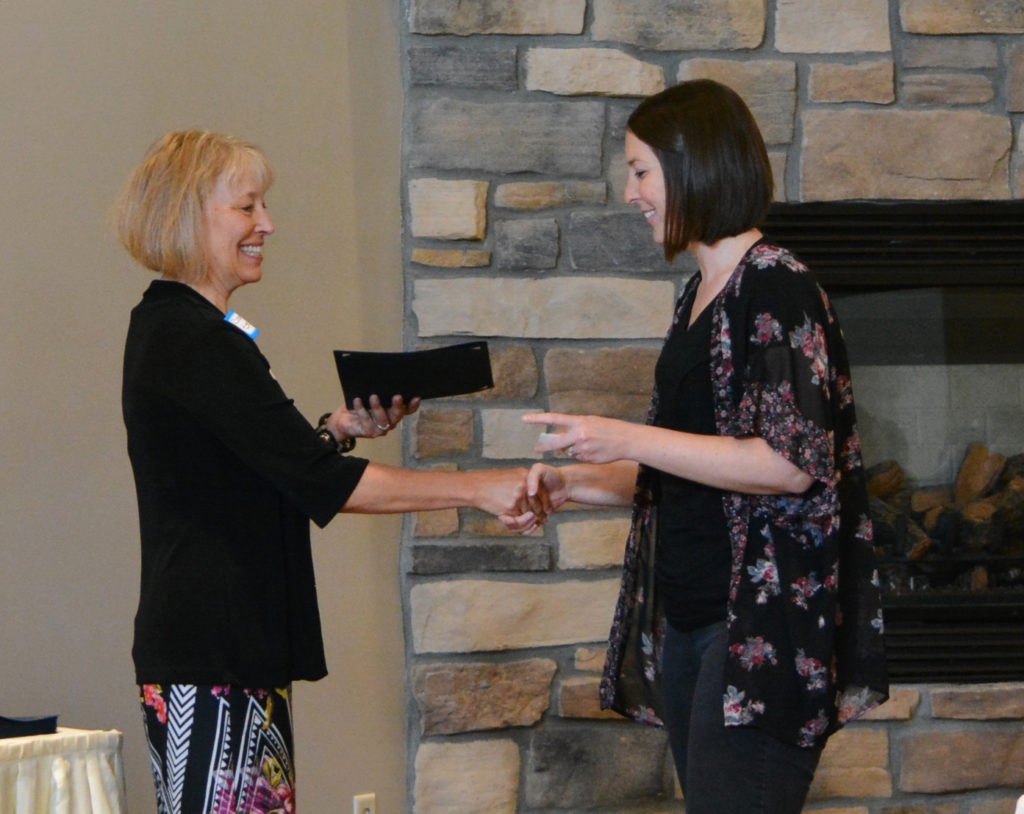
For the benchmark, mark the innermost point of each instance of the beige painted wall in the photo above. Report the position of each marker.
(84, 89)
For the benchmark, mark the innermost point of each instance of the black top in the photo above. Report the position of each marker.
(692, 559)
(228, 474)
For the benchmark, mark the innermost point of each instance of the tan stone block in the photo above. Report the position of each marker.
(854, 764)
(778, 159)
(452, 258)
(946, 52)
(626, 407)
(464, 616)
(448, 210)
(506, 436)
(466, 697)
(767, 86)
(475, 524)
(945, 761)
(832, 26)
(443, 431)
(592, 544)
(946, 89)
(1002, 805)
(962, 16)
(612, 382)
(979, 702)
(589, 658)
(467, 777)
(548, 194)
(902, 703)
(1015, 80)
(627, 370)
(567, 308)
(497, 17)
(515, 372)
(857, 748)
(870, 82)
(898, 154)
(439, 523)
(861, 782)
(680, 25)
(593, 71)
(578, 698)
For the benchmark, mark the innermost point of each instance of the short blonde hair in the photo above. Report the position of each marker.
(159, 213)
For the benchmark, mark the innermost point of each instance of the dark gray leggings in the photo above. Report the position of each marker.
(724, 770)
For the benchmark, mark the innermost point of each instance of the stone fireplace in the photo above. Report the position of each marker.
(514, 232)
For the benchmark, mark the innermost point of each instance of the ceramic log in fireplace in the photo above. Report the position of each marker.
(931, 297)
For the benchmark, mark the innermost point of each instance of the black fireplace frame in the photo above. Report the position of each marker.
(904, 244)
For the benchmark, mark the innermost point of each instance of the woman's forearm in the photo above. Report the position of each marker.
(388, 489)
(609, 484)
(747, 465)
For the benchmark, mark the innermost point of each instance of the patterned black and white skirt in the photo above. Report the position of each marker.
(220, 749)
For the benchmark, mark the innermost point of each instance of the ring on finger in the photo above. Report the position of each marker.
(385, 428)
(572, 451)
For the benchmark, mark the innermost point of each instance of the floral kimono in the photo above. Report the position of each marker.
(804, 609)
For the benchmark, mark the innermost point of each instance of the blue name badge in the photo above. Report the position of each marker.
(242, 324)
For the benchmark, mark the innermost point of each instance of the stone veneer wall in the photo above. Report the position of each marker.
(515, 232)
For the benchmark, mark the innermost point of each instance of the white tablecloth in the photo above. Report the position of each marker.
(74, 771)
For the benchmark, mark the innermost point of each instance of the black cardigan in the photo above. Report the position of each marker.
(228, 474)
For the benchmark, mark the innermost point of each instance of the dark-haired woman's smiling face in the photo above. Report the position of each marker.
(645, 185)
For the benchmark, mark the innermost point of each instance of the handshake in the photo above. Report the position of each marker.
(523, 499)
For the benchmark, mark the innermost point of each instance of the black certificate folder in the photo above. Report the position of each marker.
(451, 371)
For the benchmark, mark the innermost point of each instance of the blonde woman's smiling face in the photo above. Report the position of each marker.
(645, 184)
(235, 227)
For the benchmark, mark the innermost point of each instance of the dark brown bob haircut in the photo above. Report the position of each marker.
(718, 181)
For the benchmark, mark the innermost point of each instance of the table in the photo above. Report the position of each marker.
(73, 771)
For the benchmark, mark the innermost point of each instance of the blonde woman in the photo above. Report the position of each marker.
(228, 475)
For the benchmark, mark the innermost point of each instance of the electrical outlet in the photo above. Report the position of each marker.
(364, 804)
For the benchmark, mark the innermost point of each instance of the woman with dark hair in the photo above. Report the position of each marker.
(228, 475)
(749, 620)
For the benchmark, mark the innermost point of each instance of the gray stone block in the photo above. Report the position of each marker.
(438, 558)
(681, 25)
(613, 241)
(452, 66)
(497, 17)
(526, 244)
(556, 138)
(581, 767)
